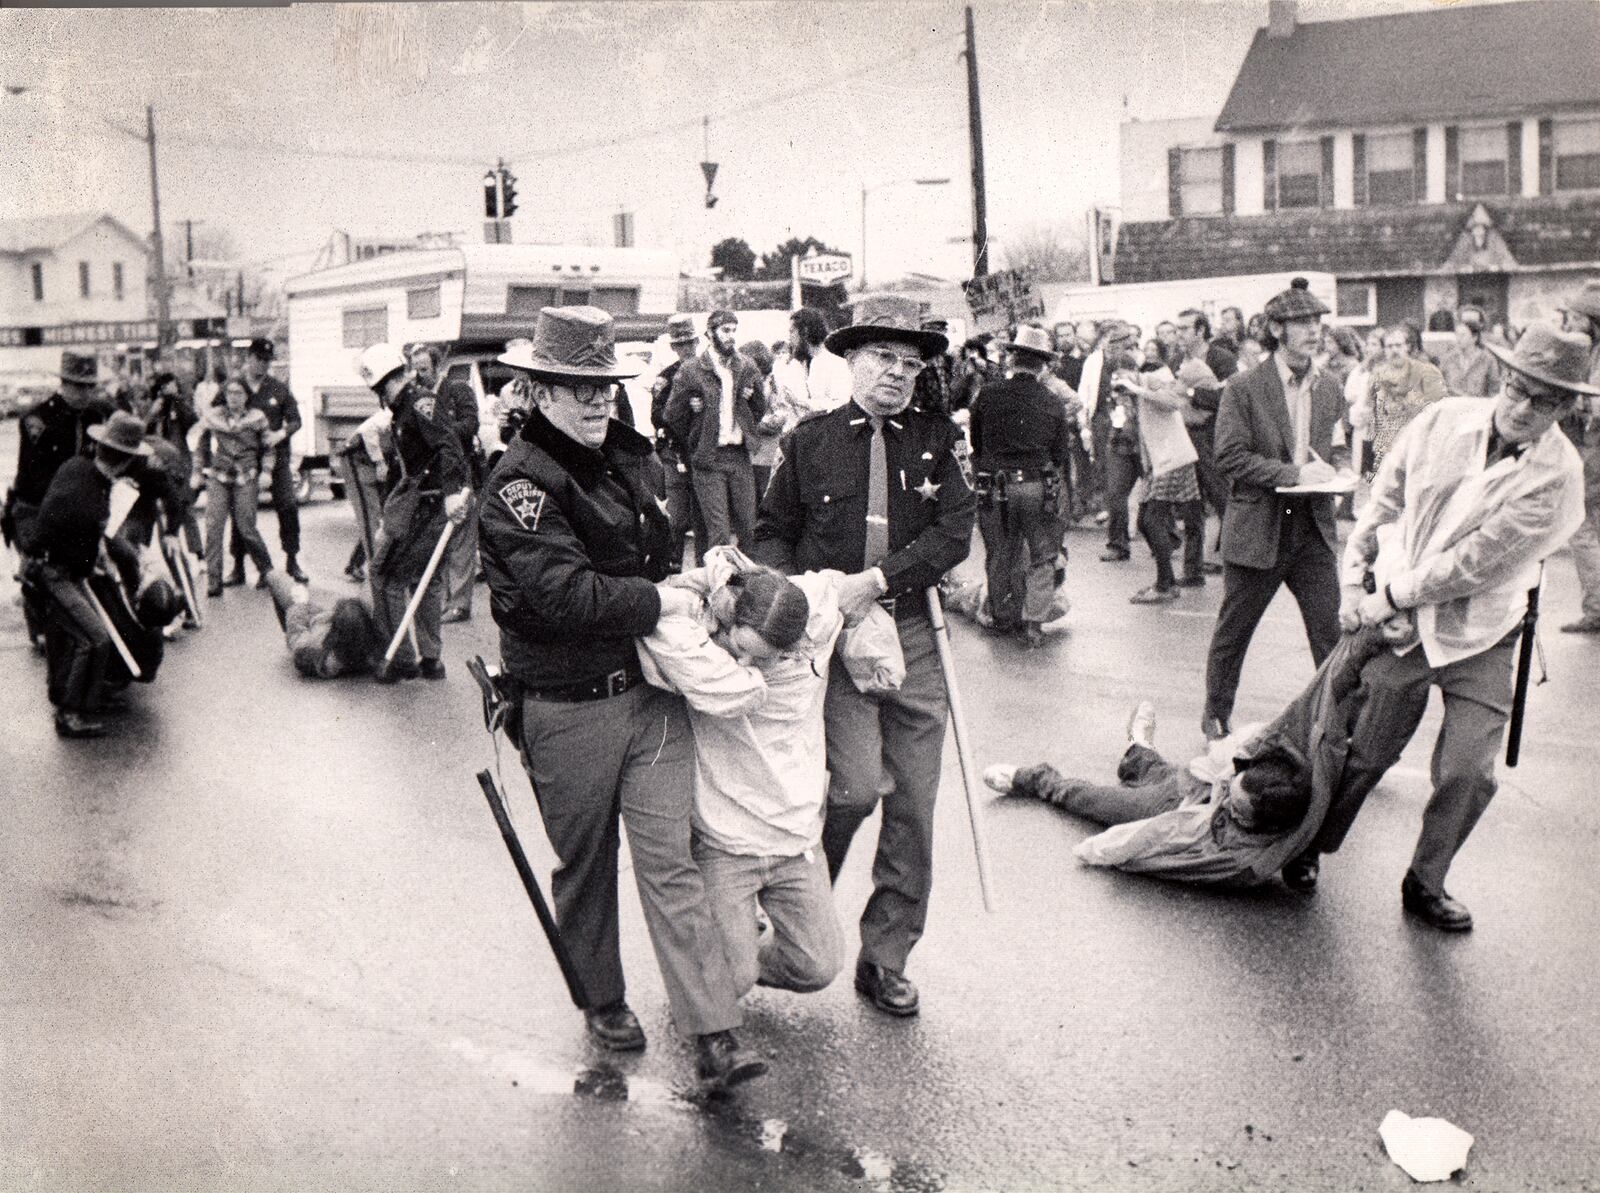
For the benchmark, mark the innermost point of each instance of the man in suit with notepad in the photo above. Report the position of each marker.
(1274, 432)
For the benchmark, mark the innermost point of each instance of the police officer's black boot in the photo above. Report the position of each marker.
(292, 569)
(235, 578)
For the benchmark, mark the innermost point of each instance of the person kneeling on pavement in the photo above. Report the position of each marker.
(327, 639)
(1238, 813)
(752, 663)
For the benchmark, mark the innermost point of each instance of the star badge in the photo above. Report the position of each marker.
(928, 490)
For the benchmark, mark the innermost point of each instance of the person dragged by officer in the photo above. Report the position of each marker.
(432, 491)
(1021, 445)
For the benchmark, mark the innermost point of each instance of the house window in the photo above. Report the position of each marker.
(116, 280)
(38, 282)
(1390, 168)
(1200, 181)
(1483, 161)
(83, 279)
(423, 304)
(529, 300)
(365, 326)
(1299, 174)
(1577, 153)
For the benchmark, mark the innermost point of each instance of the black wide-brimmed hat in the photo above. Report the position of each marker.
(122, 432)
(886, 317)
(79, 368)
(1554, 357)
(571, 343)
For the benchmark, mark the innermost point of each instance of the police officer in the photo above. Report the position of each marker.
(433, 486)
(53, 432)
(266, 393)
(574, 535)
(877, 489)
(458, 407)
(1021, 442)
(682, 508)
(63, 541)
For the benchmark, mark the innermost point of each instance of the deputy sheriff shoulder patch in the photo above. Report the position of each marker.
(427, 406)
(525, 500)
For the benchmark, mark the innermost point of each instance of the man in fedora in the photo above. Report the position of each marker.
(53, 431)
(1468, 502)
(1021, 442)
(266, 393)
(574, 536)
(879, 491)
(682, 508)
(1275, 430)
(434, 487)
(63, 542)
(1582, 315)
(716, 404)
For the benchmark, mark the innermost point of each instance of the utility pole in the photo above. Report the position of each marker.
(980, 207)
(163, 297)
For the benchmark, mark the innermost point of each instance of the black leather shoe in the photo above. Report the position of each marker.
(1215, 727)
(1212, 568)
(1112, 555)
(1192, 581)
(214, 590)
(395, 672)
(722, 1062)
(292, 570)
(887, 990)
(76, 725)
(1437, 911)
(615, 1028)
(1300, 874)
(431, 669)
(235, 578)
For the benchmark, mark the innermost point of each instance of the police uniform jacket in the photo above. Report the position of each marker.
(52, 433)
(667, 438)
(426, 443)
(274, 400)
(573, 540)
(1018, 423)
(814, 514)
(72, 518)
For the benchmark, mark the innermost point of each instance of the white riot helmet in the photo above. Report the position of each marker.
(378, 363)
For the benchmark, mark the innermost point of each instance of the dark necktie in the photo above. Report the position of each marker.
(877, 499)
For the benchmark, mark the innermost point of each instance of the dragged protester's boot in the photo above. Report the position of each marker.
(721, 1062)
(71, 724)
(1301, 873)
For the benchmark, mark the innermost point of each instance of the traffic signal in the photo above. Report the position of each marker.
(491, 196)
(508, 194)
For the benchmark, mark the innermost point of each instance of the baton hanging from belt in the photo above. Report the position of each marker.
(422, 588)
(508, 833)
(1519, 697)
(969, 776)
(111, 629)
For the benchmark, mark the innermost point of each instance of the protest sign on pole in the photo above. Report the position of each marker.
(998, 300)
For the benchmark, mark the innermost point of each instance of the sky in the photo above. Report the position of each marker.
(279, 126)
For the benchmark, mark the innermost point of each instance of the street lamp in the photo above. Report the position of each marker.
(867, 190)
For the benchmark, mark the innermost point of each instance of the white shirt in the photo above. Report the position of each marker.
(1457, 540)
(1298, 396)
(728, 432)
(825, 382)
(761, 773)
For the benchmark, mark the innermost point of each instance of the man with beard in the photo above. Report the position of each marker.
(717, 401)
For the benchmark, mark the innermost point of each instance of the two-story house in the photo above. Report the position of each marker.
(1426, 159)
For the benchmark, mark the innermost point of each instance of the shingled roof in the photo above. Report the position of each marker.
(1547, 233)
(1455, 63)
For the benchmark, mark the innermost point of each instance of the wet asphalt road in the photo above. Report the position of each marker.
(265, 936)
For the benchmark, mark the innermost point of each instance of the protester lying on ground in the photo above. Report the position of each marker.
(1238, 812)
(752, 664)
(328, 637)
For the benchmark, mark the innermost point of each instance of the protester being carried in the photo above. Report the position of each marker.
(327, 637)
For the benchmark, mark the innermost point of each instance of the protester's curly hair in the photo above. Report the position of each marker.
(771, 605)
(353, 637)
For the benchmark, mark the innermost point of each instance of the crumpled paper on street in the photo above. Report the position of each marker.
(1428, 1149)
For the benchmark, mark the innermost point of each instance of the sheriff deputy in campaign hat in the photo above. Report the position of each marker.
(53, 431)
(574, 538)
(883, 493)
